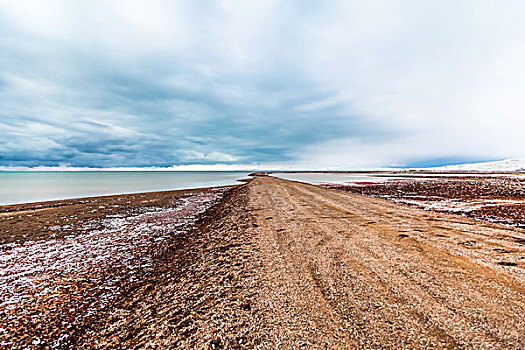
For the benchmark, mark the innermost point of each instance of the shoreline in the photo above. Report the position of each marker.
(39, 187)
(265, 264)
(58, 202)
(72, 259)
(410, 174)
(21, 219)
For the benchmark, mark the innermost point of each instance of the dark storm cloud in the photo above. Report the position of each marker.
(122, 116)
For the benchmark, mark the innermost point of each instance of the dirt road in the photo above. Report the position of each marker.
(289, 265)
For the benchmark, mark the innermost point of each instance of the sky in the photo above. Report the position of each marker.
(278, 84)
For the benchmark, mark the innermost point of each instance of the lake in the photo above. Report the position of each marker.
(35, 186)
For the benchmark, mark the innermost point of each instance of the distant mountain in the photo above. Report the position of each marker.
(500, 165)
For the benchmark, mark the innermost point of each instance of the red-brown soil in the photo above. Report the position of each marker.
(497, 199)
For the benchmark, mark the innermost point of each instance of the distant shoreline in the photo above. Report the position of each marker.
(11, 208)
(36, 187)
(16, 183)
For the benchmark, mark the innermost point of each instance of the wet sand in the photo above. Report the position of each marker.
(282, 264)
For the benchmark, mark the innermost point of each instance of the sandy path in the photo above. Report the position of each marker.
(290, 265)
(337, 270)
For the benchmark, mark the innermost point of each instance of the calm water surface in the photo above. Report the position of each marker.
(334, 178)
(26, 187)
(317, 178)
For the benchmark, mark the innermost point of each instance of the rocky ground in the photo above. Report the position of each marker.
(496, 199)
(281, 264)
(53, 286)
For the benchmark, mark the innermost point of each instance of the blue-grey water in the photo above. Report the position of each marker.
(317, 178)
(32, 186)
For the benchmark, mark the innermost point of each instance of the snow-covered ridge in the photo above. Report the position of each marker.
(517, 164)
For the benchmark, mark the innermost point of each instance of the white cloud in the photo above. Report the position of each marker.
(446, 77)
(38, 17)
(316, 84)
(212, 156)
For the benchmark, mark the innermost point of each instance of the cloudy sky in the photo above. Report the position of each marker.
(304, 84)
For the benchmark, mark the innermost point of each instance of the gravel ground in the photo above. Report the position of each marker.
(493, 199)
(281, 264)
(51, 289)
